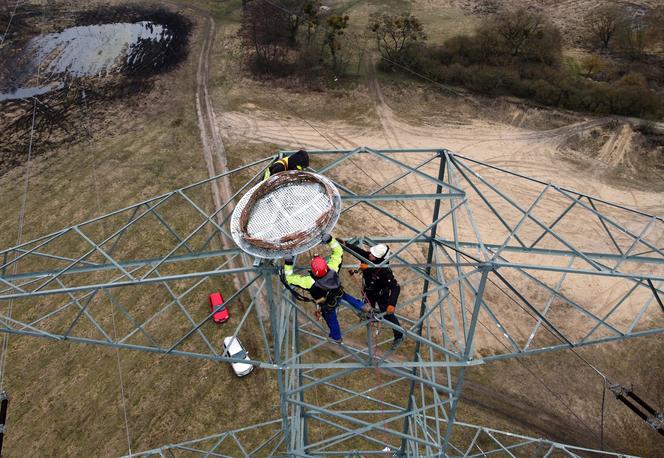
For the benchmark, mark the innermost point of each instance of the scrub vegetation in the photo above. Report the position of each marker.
(520, 52)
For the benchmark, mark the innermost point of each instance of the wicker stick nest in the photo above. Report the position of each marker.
(275, 182)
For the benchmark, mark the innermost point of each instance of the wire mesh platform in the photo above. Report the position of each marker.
(285, 214)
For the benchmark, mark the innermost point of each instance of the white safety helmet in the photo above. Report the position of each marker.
(379, 251)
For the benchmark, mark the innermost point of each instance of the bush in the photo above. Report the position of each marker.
(545, 93)
(524, 34)
(633, 101)
(395, 34)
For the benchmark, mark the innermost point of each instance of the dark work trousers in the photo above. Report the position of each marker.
(392, 318)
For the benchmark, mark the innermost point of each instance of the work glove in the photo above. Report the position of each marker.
(289, 260)
(390, 309)
(326, 238)
(364, 266)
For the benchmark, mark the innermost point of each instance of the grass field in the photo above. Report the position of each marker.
(66, 398)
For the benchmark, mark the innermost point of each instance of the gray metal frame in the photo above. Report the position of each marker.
(472, 293)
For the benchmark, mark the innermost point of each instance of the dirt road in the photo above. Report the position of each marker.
(214, 152)
(538, 153)
(213, 146)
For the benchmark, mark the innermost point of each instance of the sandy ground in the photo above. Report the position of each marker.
(543, 153)
(536, 153)
(546, 154)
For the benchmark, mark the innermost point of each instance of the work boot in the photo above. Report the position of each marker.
(337, 341)
(365, 313)
(396, 343)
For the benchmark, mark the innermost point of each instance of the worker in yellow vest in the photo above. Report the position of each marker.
(296, 161)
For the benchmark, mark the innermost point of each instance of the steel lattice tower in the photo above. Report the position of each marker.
(493, 265)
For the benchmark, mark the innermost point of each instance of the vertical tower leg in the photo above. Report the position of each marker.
(423, 305)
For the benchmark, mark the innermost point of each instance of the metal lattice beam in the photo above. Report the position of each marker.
(488, 260)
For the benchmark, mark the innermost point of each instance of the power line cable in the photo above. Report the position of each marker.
(21, 223)
(655, 420)
(24, 203)
(540, 380)
(301, 17)
(350, 33)
(536, 377)
(86, 126)
(11, 17)
(595, 369)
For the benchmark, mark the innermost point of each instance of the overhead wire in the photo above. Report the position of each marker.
(86, 126)
(22, 212)
(21, 223)
(387, 59)
(24, 204)
(422, 222)
(9, 23)
(531, 372)
(541, 381)
(605, 379)
(326, 137)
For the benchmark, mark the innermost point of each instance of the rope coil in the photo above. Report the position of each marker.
(292, 240)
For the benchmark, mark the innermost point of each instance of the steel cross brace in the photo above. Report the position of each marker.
(449, 264)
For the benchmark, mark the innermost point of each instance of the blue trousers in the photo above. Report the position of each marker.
(330, 315)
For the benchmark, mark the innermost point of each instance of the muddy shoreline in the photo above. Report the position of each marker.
(62, 98)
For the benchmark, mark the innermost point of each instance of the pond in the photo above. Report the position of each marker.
(88, 51)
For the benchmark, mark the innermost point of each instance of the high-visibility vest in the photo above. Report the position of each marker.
(284, 162)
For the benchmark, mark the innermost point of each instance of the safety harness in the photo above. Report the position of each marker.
(330, 283)
(296, 294)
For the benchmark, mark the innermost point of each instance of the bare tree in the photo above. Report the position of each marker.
(264, 31)
(395, 34)
(604, 23)
(521, 33)
(656, 24)
(634, 37)
(311, 13)
(336, 26)
(518, 27)
(4, 5)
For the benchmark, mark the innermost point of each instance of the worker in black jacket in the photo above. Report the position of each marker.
(380, 287)
(296, 161)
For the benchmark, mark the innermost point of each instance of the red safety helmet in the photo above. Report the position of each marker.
(318, 267)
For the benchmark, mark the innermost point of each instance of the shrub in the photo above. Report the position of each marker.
(524, 34)
(395, 34)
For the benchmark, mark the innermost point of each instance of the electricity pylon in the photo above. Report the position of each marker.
(493, 265)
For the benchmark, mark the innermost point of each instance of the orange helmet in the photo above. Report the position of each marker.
(318, 267)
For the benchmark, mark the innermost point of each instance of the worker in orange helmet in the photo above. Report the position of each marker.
(324, 286)
(380, 287)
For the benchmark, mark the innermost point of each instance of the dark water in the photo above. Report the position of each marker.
(96, 50)
(27, 92)
(88, 51)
